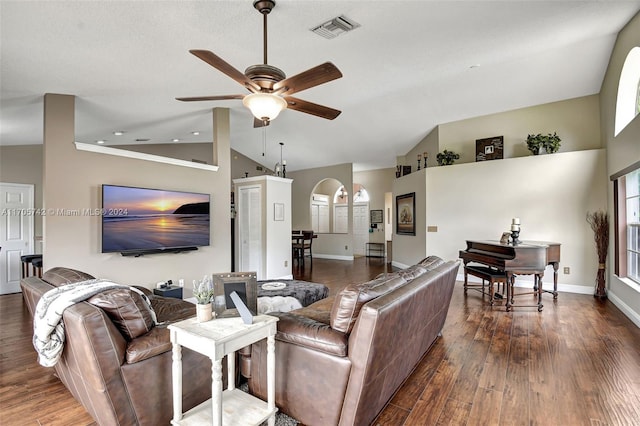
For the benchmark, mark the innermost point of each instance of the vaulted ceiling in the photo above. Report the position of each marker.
(410, 66)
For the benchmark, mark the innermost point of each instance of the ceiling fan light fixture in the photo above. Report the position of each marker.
(264, 106)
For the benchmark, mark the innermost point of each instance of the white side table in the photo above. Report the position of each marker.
(215, 339)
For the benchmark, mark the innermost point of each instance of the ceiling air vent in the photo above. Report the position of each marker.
(335, 27)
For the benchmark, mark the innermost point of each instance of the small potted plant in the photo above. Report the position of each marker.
(203, 292)
(550, 143)
(446, 157)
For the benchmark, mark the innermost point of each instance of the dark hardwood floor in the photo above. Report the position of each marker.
(575, 363)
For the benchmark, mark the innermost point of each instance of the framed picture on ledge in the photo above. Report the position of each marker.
(243, 283)
(405, 214)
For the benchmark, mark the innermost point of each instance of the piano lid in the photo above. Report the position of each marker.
(524, 256)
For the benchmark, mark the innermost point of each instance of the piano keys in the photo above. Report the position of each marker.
(525, 258)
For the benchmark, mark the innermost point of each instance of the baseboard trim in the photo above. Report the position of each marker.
(400, 265)
(565, 288)
(333, 257)
(630, 313)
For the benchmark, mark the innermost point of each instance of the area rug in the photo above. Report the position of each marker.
(281, 418)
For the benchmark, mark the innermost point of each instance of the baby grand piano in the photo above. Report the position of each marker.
(525, 258)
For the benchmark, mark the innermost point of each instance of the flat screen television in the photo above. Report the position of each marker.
(138, 221)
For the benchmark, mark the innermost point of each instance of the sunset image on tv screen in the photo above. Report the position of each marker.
(151, 219)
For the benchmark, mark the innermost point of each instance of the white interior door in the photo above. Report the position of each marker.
(16, 232)
(360, 228)
(341, 219)
(249, 216)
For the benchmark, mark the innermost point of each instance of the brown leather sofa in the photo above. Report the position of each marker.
(340, 360)
(121, 381)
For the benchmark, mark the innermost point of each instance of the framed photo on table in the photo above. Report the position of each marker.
(405, 214)
(243, 283)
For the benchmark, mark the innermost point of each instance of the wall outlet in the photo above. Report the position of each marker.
(566, 270)
(286, 263)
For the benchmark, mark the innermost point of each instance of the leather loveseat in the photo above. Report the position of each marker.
(118, 379)
(340, 360)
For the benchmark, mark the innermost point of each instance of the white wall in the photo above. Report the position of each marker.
(551, 194)
(278, 233)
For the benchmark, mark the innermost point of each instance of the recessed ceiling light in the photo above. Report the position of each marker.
(196, 133)
(175, 140)
(118, 133)
(475, 66)
(100, 141)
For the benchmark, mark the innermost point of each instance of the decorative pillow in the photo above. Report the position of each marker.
(128, 311)
(349, 301)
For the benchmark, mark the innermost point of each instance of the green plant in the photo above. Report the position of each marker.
(550, 143)
(446, 157)
(203, 290)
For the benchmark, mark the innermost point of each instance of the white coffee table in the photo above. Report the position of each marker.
(216, 339)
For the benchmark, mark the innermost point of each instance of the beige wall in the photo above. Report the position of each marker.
(622, 151)
(377, 183)
(74, 179)
(551, 194)
(430, 145)
(23, 164)
(575, 120)
(408, 249)
(241, 164)
(183, 151)
(326, 245)
(202, 152)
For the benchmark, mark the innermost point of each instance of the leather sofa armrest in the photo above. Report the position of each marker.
(155, 342)
(306, 332)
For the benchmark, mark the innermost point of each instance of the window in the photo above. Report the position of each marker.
(627, 223)
(627, 103)
(633, 225)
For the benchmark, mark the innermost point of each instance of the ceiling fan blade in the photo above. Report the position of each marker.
(224, 67)
(210, 98)
(311, 108)
(260, 123)
(310, 78)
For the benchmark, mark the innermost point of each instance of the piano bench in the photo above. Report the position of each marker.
(485, 273)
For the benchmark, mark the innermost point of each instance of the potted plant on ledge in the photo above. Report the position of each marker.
(550, 143)
(203, 292)
(447, 158)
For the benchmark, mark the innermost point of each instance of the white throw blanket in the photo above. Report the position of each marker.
(48, 328)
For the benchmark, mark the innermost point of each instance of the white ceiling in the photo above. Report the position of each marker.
(406, 69)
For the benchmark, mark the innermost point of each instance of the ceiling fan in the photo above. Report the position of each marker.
(270, 88)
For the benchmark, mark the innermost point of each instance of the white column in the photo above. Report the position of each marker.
(176, 372)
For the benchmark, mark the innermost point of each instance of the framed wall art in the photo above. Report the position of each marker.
(376, 216)
(405, 214)
(490, 148)
(243, 283)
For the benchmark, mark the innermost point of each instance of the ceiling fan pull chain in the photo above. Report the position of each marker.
(264, 140)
